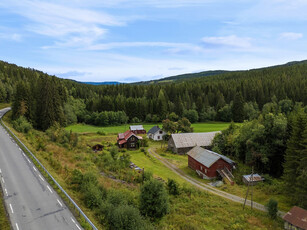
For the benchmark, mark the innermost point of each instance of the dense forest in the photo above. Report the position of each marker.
(236, 96)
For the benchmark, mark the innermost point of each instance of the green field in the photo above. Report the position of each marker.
(198, 127)
(4, 105)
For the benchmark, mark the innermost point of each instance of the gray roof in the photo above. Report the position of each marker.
(153, 130)
(185, 140)
(256, 177)
(136, 127)
(207, 157)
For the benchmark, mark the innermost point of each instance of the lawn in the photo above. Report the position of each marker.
(198, 127)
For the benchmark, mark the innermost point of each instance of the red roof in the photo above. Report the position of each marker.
(123, 137)
(297, 217)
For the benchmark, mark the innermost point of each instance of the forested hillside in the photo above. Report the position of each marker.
(229, 96)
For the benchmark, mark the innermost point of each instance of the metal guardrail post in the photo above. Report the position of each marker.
(45, 170)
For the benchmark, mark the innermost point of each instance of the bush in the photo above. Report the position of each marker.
(135, 120)
(126, 217)
(272, 208)
(22, 125)
(101, 132)
(173, 187)
(154, 200)
(114, 152)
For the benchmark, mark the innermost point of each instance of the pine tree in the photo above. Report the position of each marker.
(238, 108)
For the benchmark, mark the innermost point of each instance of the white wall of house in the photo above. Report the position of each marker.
(157, 136)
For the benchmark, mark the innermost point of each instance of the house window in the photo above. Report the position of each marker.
(205, 170)
(201, 168)
(132, 138)
(158, 137)
(160, 131)
(132, 145)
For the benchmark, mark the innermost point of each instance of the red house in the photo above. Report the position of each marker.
(128, 140)
(137, 129)
(209, 164)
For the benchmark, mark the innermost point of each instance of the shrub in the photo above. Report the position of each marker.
(114, 152)
(147, 175)
(126, 217)
(173, 187)
(154, 200)
(135, 120)
(101, 132)
(272, 208)
(22, 125)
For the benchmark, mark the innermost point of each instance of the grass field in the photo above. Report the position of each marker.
(198, 127)
(4, 222)
(4, 105)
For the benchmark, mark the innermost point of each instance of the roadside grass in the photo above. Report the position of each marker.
(4, 221)
(198, 127)
(192, 209)
(262, 192)
(4, 105)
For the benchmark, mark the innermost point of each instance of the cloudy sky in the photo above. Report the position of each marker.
(133, 40)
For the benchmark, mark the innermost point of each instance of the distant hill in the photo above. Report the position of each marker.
(102, 83)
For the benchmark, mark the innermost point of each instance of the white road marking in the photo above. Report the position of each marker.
(11, 208)
(34, 169)
(49, 189)
(78, 227)
(17, 226)
(3, 180)
(60, 203)
(6, 192)
(41, 177)
(0, 171)
(29, 161)
(23, 154)
(19, 149)
(73, 220)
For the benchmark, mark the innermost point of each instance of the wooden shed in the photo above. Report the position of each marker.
(181, 143)
(128, 140)
(252, 179)
(296, 219)
(137, 129)
(208, 163)
(97, 147)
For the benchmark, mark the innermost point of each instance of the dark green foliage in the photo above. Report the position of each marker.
(22, 125)
(272, 207)
(295, 167)
(173, 187)
(191, 115)
(114, 152)
(238, 108)
(147, 175)
(154, 201)
(59, 135)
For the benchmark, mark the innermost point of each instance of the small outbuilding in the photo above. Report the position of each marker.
(296, 219)
(209, 164)
(181, 143)
(155, 133)
(97, 147)
(128, 140)
(137, 129)
(252, 179)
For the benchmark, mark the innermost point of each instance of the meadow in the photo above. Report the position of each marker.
(4, 222)
(4, 105)
(198, 127)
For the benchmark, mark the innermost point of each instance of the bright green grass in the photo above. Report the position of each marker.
(198, 127)
(4, 105)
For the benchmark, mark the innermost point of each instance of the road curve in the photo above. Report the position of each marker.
(206, 187)
(31, 202)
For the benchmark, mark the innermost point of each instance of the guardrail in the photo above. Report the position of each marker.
(46, 171)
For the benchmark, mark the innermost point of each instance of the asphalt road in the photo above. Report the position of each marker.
(31, 202)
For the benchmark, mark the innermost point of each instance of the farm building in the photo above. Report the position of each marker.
(137, 129)
(128, 140)
(252, 180)
(296, 219)
(155, 133)
(209, 164)
(181, 143)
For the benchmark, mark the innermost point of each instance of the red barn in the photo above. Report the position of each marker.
(137, 129)
(128, 140)
(208, 163)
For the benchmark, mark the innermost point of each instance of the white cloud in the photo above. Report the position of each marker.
(291, 36)
(11, 36)
(230, 41)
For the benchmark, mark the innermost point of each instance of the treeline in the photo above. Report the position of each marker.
(274, 144)
(229, 96)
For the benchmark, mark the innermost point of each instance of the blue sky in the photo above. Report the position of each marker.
(133, 40)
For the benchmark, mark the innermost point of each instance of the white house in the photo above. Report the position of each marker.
(155, 133)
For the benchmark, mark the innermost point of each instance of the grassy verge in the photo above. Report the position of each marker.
(4, 105)
(198, 127)
(4, 220)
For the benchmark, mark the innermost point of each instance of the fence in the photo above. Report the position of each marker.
(46, 171)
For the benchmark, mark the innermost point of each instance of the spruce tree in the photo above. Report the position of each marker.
(238, 108)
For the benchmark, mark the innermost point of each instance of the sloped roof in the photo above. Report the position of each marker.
(297, 217)
(185, 140)
(153, 130)
(123, 137)
(207, 157)
(136, 127)
(256, 177)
